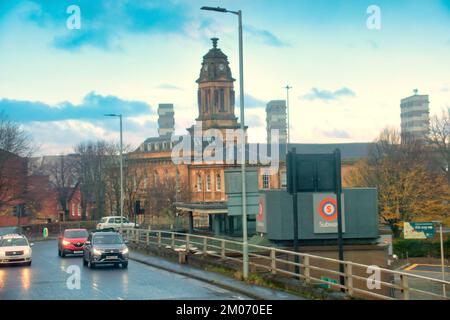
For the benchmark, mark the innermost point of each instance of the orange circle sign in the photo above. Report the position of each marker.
(328, 209)
(260, 212)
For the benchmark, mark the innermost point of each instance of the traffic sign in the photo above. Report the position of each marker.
(418, 230)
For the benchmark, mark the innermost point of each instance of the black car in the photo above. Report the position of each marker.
(105, 247)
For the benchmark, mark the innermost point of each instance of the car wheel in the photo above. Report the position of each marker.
(59, 252)
(28, 263)
(84, 262)
(125, 265)
(62, 253)
(91, 265)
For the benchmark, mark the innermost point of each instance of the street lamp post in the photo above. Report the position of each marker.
(444, 291)
(121, 167)
(288, 124)
(242, 118)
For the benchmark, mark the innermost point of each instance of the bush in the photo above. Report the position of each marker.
(420, 248)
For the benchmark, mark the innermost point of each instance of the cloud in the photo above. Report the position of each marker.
(250, 102)
(104, 21)
(341, 134)
(168, 86)
(92, 108)
(326, 95)
(265, 37)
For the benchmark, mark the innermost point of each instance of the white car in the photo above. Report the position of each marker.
(14, 249)
(114, 223)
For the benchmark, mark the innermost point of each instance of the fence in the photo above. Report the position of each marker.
(311, 269)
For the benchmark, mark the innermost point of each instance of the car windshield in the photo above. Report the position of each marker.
(103, 220)
(76, 234)
(13, 242)
(108, 239)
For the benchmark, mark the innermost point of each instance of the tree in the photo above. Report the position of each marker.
(439, 139)
(408, 186)
(63, 175)
(15, 148)
(93, 159)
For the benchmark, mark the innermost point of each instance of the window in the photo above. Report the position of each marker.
(218, 182)
(199, 183)
(145, 180)
(266, 181)
(283, 179)
(155, 177)
(222, 100)
(208, 183)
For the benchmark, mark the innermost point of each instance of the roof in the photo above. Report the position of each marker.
(12, 236)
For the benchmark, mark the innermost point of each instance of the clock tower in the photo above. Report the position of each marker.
(216, 96)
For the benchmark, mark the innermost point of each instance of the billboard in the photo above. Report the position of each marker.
(418, 230)
(325, 213)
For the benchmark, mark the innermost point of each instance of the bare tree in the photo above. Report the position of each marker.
(439, 139)
(15, 148)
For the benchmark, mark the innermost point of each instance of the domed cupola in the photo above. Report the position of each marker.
(215, 66)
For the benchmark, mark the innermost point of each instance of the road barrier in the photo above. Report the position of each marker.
(359, 280)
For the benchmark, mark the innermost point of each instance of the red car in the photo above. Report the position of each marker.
(72, 241)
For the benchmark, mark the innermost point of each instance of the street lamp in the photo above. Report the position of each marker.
(442, 256)
(242, 118)
(288, 124)
(121, 167)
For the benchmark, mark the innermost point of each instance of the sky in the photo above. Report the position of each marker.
(130, 55)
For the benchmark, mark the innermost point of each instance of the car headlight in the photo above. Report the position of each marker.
(125, 250)
(97, 252)
(65, 242)
(27, 251)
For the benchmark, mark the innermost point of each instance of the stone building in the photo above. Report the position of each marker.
(198, 186)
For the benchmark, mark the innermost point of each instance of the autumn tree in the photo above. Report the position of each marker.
(408, 185)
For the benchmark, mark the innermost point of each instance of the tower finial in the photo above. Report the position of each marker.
(214, 41)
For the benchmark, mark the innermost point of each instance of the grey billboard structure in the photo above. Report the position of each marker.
(359, 212)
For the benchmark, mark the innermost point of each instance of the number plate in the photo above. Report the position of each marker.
(78, 252)
(111, 257)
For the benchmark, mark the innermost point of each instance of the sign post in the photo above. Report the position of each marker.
(338, 190)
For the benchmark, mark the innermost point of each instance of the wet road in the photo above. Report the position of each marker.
(47, 278)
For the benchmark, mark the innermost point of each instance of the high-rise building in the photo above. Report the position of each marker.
(415, 116)
(276, 119)
(166, 121)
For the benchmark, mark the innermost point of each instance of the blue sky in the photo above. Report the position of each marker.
(130, 55)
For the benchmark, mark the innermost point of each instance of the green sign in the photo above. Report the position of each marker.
(45, 233)
(418, 230)
(327, 286)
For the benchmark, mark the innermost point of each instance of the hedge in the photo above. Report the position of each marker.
(420, 248)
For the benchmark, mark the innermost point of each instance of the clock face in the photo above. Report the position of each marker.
(205, 68)
(221, 67)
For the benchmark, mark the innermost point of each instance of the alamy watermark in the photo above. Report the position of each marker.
(73, 282)
(214, 146)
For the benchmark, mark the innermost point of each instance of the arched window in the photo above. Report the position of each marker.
(218, 182)
(199, 183)
(208, 182)
(155, 177)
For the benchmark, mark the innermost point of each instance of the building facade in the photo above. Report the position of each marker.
(197, 188)
(415, 116)
(276, 116)
(166, 119)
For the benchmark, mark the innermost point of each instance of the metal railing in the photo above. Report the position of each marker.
(359, 280)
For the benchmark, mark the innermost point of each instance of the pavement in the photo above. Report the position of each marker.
(48, 279)
(254, 291)
(430, 271)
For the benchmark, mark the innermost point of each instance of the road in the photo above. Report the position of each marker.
(46, 279)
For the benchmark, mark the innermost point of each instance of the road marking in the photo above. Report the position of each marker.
(411, 267)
